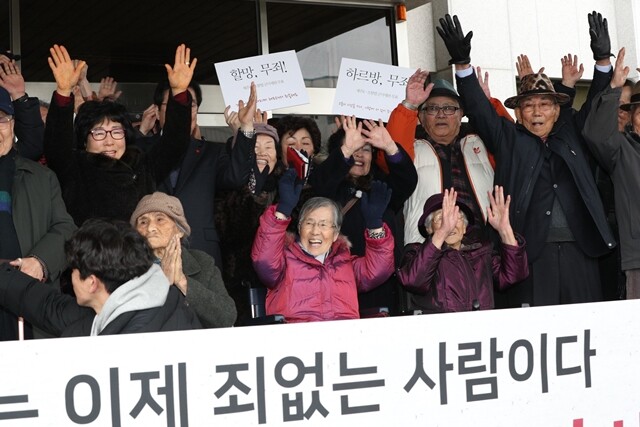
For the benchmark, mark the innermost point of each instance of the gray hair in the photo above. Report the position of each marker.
(321, 202)
(427, 221)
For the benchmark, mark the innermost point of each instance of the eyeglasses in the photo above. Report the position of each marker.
(434, 110)
(4, 121)
(100, 134)
(322, 225)
(528, 107)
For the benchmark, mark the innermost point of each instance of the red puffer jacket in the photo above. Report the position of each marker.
(302, 288)
(449, 280)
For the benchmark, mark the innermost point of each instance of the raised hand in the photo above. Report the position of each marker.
(353, 139)
(261, 116)
(65, 72)
(416, 92)
(149, 117)
(378, 136)
(484, 82)
(571, 73)
(11, 79)
(374, 204)
(450, 214)
(231, 118)
(289, 189)
(498, 215)
(458, 45)
(620, 72)
(181, 73)
(247, 112)
(108, 89)
(599, 33)
(523, 66)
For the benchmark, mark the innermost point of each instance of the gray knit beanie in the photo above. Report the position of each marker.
(161, 202)
(265, 129)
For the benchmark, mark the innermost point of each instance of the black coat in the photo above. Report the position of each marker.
(94, 185)
(206, 168)
(29, 128)
(519, 158)
(60, 314)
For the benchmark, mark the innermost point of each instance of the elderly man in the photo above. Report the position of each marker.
(617, 153)
(448, 156)
(34, 222)
(543, 163)
(118, 288)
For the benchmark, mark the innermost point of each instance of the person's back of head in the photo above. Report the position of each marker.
(109, 249)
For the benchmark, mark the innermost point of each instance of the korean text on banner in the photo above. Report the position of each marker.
(277, 77)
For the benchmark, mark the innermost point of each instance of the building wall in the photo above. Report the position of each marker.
(545, 30)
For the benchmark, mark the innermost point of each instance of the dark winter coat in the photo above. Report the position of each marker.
(94, 185)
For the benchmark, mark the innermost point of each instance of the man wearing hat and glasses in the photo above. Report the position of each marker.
(619, 154)
(542, 162)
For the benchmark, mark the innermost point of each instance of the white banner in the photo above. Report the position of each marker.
(277, 77)
(369, 90)
(566, 366)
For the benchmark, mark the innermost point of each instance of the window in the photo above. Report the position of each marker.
(132, 40)
(322, 35)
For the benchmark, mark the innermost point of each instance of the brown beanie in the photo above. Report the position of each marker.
(265, 129)
(161, 202)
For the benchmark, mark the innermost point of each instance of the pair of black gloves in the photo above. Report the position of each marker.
(372, 205)
(459, 45)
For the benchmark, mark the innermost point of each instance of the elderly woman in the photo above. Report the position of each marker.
(160, 219)
(237, 216)
(102, 176)
(313, 276)
(446, 275)
(349, 171)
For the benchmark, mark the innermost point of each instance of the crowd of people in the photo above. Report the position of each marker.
(125, 228)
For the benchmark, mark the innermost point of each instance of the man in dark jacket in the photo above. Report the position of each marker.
(542, 161)
(118, 288)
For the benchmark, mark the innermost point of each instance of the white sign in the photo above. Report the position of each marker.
(369, 90)
(277, 76)
(564, 366)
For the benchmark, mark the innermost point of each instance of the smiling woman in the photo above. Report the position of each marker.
(100, 174)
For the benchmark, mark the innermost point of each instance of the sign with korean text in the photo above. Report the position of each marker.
(369, 90)
(277, 77)
(567, 366)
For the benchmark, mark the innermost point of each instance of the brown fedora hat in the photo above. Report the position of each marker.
(635, 98)
(536, 84)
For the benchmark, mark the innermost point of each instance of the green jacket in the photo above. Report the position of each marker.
(40, 216)
(206, 293)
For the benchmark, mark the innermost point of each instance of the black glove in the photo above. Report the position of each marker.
(458, 45)
(374, 204)
(599, 32)
(289, 188)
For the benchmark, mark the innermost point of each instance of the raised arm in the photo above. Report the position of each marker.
(167, 153)
(402, 177)
(267, 252)
(601, 127)
(58, 141)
